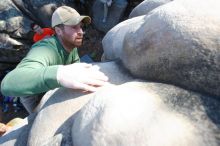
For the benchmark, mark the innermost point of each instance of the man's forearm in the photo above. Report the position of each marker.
(29, 81)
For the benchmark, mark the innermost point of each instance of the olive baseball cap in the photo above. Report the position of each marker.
(68, 16)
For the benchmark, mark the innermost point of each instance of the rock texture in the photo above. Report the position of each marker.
(177, 44)
(138, 113)
(113, 41)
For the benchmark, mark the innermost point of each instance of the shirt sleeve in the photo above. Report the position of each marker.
(36, 73)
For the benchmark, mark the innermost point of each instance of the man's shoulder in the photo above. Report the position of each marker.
(46, 48)
(46, 45)
(51, 41)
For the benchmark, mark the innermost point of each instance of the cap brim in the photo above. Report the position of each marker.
(74, 21)
(86, 19)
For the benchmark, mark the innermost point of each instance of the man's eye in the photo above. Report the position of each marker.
(77, 26)
(74, 27)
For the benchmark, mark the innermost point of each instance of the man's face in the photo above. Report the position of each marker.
(72, 35)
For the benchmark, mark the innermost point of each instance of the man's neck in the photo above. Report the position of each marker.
(68, 47)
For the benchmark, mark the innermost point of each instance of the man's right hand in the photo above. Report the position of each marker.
(81, 76)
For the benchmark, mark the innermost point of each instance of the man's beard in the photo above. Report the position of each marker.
(78, 42)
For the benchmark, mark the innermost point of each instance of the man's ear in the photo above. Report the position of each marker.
(58, 30)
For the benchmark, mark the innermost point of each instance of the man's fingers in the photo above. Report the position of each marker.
(86, 65)
(91, 71)
(96, 74)
(81, 76)
(99, 76)
(95, 67)
(87, 87)
(94, 82)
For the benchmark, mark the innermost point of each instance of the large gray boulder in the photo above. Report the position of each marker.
(147, 114)
(178, 44)
(56, 117)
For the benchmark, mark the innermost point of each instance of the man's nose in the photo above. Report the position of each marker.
(80, 31)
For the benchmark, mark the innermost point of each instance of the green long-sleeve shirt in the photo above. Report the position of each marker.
(37, 72)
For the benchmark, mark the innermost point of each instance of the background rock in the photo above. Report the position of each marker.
(14, 28)
(115, 14)
(146, 6)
